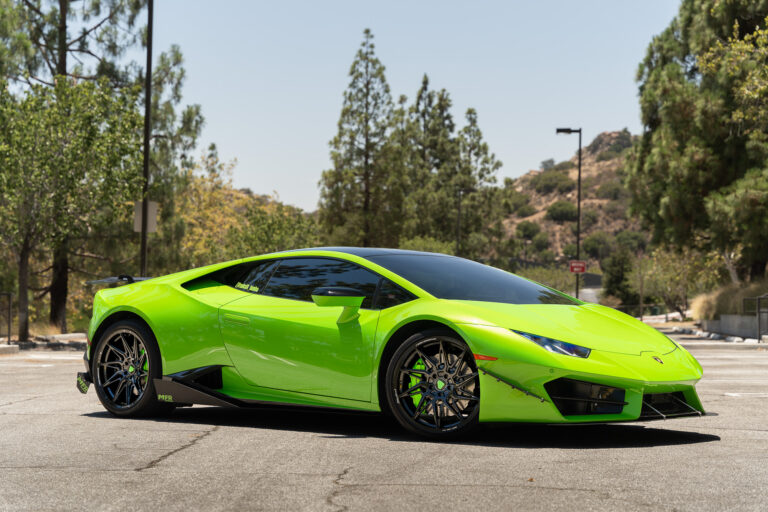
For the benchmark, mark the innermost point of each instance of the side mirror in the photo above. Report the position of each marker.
(339, 296)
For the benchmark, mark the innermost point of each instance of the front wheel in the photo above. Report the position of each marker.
(432, 385)
(125, 361)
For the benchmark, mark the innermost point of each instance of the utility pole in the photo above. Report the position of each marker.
(578, 201)
(147, 128)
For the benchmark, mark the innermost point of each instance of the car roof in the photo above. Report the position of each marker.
(367, 252)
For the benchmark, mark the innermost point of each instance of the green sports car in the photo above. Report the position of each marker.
(439, 342)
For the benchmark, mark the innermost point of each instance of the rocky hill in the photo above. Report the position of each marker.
(552, 193)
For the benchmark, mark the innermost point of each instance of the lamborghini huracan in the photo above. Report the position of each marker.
(439, 342)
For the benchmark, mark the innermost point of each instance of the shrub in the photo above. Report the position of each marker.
(428, 244)
(589, 219)
(632, 240)
(727, 300)
(562, 211)
(564, 165)
(525, 210)
(551, 180)
(598, 245)
(616, 210)
(569, 251)
(611, 190)
(541, 242)
(527, 230)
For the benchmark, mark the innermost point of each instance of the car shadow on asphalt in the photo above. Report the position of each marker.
(344, 424)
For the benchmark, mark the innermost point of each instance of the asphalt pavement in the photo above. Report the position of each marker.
(59, 450)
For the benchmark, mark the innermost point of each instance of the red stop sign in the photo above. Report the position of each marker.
(578, 266)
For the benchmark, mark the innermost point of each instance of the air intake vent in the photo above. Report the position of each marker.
(660, 406)
(576, 398)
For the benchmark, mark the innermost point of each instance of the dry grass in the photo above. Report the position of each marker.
(726, 300)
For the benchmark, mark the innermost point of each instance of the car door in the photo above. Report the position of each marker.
(279, 338)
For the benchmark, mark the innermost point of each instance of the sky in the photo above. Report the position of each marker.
(270, 75)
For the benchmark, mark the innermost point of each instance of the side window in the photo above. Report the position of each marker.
(250, 277)
(295, 278)
(254, 279)
(391, 295)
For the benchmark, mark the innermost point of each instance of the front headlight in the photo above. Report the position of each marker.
(556, 346)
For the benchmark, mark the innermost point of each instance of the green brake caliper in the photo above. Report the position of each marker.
(415, 380)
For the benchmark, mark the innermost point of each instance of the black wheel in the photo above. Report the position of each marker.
(125, 361)
(432, 386)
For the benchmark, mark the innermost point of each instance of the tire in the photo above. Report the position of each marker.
(125, 361)
(432, 386)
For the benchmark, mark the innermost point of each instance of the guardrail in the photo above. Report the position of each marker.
(9, 316)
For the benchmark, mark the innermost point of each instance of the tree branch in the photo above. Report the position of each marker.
(95, 27)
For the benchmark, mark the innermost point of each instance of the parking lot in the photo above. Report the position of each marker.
(61, 450)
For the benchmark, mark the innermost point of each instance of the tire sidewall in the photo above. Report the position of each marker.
(148, 399)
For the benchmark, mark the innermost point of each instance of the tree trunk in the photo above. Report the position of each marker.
(60, 286)
(24, 291)
(61, 58)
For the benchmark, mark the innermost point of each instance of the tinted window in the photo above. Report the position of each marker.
(249, 277)
(391, 295)
(447, 277)
(296, 278)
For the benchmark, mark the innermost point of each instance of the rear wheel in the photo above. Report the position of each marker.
(432, 385)
(125, 361)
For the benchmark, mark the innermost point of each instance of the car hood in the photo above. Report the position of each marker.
(589, 325)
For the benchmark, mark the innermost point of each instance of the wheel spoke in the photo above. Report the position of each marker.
(456, 367)
(414, 371)
(469, 396)
(441, 357)
(466, 379)
(414, 390)
(453, 408)
(111, 364)
(435, 415)
(117, 351)
(119, 389)
(421, 407)
(114, 378)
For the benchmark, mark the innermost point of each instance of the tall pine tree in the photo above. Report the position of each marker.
(353, 193)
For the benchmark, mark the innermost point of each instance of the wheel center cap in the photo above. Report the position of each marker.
(131, 369)
(440, 384)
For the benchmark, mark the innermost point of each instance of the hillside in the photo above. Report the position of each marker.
(604, 201)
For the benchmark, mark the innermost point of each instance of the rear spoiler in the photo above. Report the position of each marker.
(122, 278)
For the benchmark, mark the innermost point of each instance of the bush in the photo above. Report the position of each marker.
(727, 300)
(616, 210)
(564, 165)
(569, 251)
(632, 240)
(427, 244)
(541, 242)
(548, 164)
(556, 277)
(598, 245)
(562, 211)
(589, 219)
(527, 230)
(551, 180)
(611, 190)
(525, 210)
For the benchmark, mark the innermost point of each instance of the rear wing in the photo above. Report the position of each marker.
(122, 279)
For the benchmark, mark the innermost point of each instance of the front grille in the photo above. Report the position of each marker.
(576, 398)
(659, 406)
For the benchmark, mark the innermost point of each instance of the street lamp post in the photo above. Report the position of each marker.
(147, 127)
(578, 200)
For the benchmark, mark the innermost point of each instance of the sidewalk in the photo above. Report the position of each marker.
(691, 341)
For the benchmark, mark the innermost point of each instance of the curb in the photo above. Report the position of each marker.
(9, 349)
(703, 345)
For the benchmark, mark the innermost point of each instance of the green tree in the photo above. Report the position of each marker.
(66, 153)
(684, 169)
(89, 41)
(617, 271)
(351, 202)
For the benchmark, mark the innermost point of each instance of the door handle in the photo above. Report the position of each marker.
(236, 319)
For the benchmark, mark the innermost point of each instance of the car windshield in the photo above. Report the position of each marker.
(448, 277)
